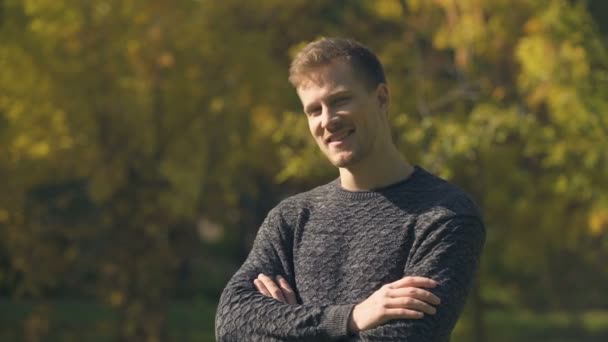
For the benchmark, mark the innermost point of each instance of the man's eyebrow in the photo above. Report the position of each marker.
(339, 93)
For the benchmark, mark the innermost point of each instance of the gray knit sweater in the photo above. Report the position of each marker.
(337, 247)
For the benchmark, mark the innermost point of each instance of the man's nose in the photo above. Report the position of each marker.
(328, 117)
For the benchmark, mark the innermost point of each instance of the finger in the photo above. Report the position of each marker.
(287, 291)
(411, 304)
(274, 290)
(413, 292)
(402, 313)
(413, 282)
(260, 286)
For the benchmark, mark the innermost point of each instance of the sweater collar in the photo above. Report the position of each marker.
(383, 191)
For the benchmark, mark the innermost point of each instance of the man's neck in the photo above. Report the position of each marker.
(377, 171)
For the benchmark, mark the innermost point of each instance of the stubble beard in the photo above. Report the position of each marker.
(339, 160)
(357, 153)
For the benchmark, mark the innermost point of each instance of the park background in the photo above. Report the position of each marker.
(142, 142)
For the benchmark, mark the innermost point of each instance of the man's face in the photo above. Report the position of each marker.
(346, 119)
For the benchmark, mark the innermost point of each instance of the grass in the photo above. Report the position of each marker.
(504, 326)
(83, 320)
(86, 320)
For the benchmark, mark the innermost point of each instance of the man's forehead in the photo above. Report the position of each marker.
(319, 76)
(320, 87)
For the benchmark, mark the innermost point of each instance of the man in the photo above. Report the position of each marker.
(386, 252)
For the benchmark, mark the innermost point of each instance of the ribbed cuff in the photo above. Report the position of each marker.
(336, 320)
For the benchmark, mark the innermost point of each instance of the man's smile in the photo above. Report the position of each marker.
(339, 137)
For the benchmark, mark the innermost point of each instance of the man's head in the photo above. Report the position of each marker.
(343, 91)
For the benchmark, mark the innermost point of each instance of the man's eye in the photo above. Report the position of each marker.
(313, 112)
(342, 101)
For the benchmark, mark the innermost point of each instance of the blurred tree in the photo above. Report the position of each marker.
(124, 123)
(146, 117)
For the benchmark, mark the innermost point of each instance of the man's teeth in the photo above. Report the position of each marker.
(339, 137)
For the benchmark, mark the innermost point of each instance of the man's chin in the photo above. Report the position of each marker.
(343, 160)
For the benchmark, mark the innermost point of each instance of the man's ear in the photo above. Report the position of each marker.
(384, 97)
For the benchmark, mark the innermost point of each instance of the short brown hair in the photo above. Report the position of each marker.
(325, 50)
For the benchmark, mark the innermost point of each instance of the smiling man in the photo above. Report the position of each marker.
(385, 252)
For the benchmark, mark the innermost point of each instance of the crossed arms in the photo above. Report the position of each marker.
(404, 298)
(400, 311)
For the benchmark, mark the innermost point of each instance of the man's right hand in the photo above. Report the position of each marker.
(404, 298)
(278, 289)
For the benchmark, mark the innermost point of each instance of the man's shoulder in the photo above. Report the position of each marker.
(305, 201)
(443, 198)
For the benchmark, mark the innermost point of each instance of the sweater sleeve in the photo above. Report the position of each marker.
(244, 314)
(447, 252)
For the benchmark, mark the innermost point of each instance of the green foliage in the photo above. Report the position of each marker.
(125, 124)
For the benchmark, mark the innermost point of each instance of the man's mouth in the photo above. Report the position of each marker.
(340, 136)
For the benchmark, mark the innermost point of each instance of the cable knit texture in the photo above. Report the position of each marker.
(337, 247)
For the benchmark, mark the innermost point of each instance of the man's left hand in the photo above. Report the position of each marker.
(278, 288)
